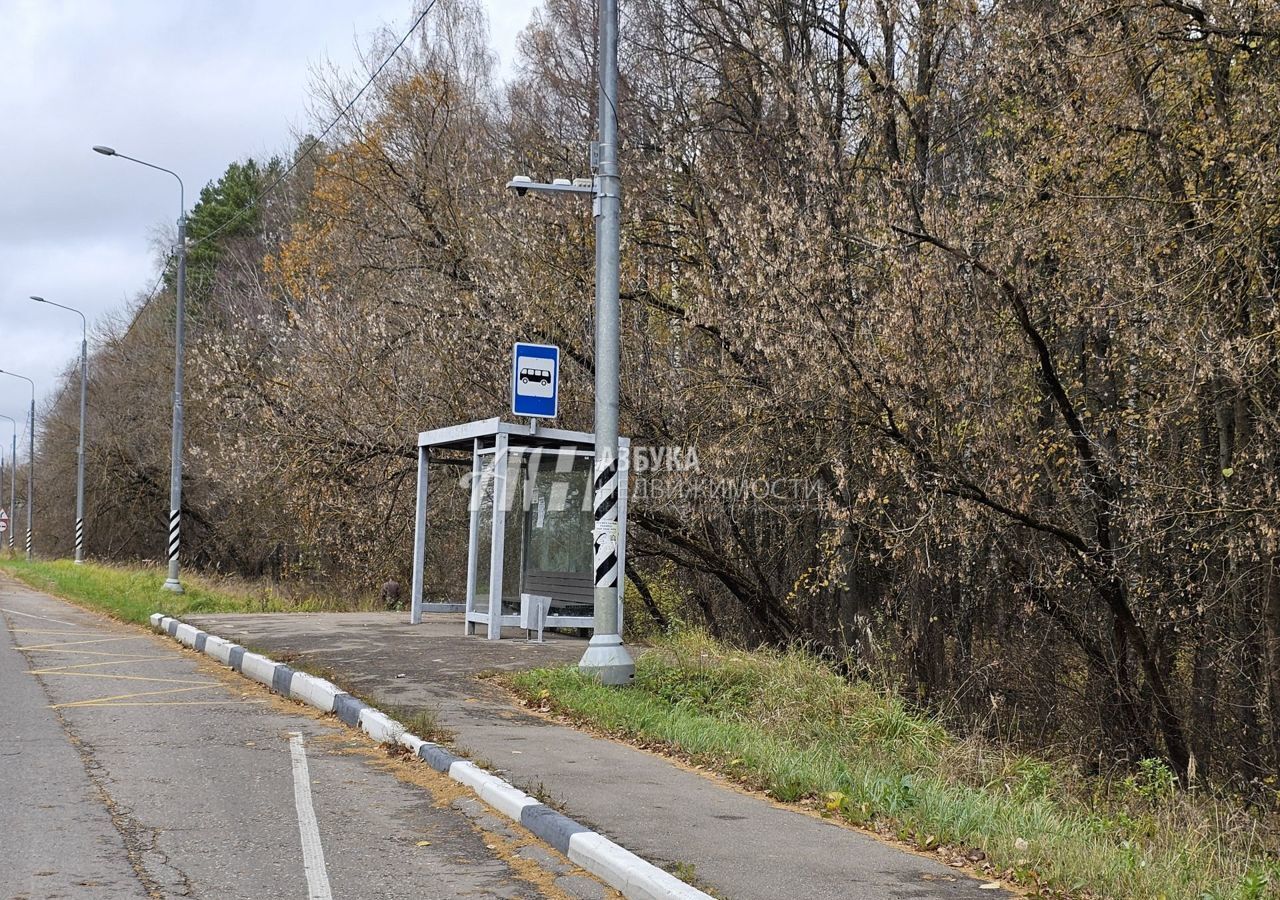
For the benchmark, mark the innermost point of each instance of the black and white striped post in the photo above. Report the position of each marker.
(606, 657)
(31, 456)
(175, 521)
(605, 535)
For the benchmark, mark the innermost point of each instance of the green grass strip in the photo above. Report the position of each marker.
(788, 725)
(133, 594)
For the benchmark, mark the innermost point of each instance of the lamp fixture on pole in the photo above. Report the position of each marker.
(175, 461)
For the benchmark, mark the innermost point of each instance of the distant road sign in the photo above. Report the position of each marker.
(535, 381)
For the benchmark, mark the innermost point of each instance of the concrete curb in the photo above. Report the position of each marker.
(615, 865)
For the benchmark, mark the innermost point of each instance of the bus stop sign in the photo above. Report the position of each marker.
(535, 381)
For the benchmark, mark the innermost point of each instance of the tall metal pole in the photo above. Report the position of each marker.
(13, 483)
(175, 463)
(606, 657)
(84, 402)
(175, 472)
(31, 456)
(31, 470)
(13, 479)
(84, 393)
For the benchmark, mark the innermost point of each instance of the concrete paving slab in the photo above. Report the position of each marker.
(740, 846)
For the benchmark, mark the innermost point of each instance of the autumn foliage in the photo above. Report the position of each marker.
(997, 282)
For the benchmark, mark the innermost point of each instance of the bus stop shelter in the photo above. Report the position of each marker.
(529, 550)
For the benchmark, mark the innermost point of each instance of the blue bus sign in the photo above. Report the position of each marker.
(535, 381)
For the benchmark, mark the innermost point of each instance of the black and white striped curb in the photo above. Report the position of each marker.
(618, 867)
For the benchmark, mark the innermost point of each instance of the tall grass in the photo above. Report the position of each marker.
(787, 724)
(133, 594)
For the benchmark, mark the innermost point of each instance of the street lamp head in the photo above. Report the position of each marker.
(105, 151)
(38, 299)
(518, 184)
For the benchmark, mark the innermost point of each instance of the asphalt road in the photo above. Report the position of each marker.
(132, 768)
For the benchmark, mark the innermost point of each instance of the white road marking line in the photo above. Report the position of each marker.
(46, 618)
(312, 852)
(54, 631)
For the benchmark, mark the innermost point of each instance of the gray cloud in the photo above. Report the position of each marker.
(191, 86)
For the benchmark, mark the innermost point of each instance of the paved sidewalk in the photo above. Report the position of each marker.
(740, 846)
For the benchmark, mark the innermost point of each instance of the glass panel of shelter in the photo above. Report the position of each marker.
(547, 530)
(557, 533)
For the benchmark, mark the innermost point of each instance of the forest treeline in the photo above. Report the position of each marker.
(995, 282)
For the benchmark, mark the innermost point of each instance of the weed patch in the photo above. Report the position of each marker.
(425, 723)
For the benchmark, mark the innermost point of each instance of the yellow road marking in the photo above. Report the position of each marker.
(121, 677)
(106, 701)
(172, 703)
(79, 652)
(137, 637)
(105, 662)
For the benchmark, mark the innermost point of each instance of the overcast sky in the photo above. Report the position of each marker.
(190, 85)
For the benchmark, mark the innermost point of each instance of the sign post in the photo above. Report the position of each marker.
(607, 658)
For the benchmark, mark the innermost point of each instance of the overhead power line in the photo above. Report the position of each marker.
(323, 134)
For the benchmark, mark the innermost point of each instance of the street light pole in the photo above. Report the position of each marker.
(84, 395)
(31, 456)
(606, 657)
(13, 479)
(175, 462)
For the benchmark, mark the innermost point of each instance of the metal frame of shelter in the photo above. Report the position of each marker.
(493, 444)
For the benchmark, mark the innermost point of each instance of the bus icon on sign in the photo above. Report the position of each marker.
(538, 376)
(535, 376)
